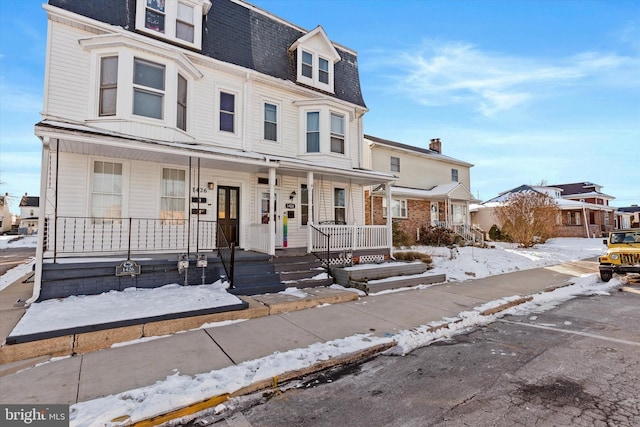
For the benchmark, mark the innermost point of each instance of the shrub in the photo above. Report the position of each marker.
(436, 236)
(400, 238)
(412, 256)
(528, 217)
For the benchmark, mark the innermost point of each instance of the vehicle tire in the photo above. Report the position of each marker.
(606, 276)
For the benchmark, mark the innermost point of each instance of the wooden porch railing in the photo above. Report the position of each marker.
(349, 237)
(86, 235)
(227, 254)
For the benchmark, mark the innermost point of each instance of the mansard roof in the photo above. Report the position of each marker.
(238, 33)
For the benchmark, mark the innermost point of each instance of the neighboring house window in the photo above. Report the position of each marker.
(184, 23)
(339, 205)
(573, 218)
(181, 119)
(337, 133)
(108, 85)
(395, 164)
(172, 196)
(323, 70)
(313, 132)
(148, 89)
(270, 122)
(454, 175)
(304, 204)
(307, 64)
(227, 111)
(106, 192)
(398, 208)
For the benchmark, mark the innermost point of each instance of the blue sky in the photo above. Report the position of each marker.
(527, 91)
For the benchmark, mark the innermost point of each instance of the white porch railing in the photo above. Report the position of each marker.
(351, 237)
(463, 230)
(258, 238)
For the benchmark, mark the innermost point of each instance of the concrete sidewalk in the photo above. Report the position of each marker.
(88, 376)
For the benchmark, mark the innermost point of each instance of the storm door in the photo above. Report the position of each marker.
(277, 216)
(229, 213)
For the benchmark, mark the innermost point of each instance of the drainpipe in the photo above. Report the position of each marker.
(37, 282)
(387, 190)
(586, 223)
(310, 219)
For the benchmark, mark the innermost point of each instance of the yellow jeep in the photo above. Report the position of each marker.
(623, 254)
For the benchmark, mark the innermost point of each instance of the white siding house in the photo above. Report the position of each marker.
(170, 127)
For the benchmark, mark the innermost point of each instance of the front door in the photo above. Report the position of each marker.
(229, 214)
(276, 217)
(435, 214)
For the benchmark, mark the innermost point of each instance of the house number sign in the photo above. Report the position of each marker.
(128, 268)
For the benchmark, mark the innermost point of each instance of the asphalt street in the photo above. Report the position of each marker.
(575, 365)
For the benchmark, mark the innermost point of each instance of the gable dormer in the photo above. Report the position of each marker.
(315, 60)
(177, 21)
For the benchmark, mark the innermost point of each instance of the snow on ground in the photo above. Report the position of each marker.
(8, 242)
(132, 303)
(459, 264)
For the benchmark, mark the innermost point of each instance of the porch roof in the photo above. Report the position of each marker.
(452, 190)
(81, 138)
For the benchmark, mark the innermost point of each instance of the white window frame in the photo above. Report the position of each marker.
(325, 133)
(402, 209)
(219, 111)
(336, 206)
(107, 87)
(314, 80)
(158, 92)
(179, 103)
(277, 120)
(200, 8)
(394, 167)
(334, 135)
(307, 131)
(173, 220)
(455, 175)
(91, 161)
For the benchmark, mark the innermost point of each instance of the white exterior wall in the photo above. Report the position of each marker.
(418, 171)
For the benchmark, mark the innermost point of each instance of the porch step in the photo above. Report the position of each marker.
(255, 274)
(300, 271)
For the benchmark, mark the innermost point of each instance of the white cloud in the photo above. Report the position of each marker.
(446, 73)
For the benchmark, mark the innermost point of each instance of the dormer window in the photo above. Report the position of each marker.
(316, 57)
(178, 21)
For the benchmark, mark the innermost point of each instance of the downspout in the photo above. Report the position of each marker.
(387, 191)
(189, 212)
(586, 223)
(37, 283)
(310, 219)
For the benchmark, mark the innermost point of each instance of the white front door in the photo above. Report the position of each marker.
(277, 215)
(435, 215)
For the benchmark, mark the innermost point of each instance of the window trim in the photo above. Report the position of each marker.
(141, 88)
(455, 175)
(337, 136)
(394, 166)
(90, 187)
(401, 202)
(170, 33)
(308, 132)
(336, 206)
(182, 104)
(315, 79)
(107, 86)
(266, 102)
(220, 111)
(185, 213)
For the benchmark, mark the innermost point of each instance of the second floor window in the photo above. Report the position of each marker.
(395, 164)
(181, 119)
(337, 133)
(106, 191)
(313, 132)
(148, 89)
(270, 122)
(454, 175)
(108, 85)
(227, 111)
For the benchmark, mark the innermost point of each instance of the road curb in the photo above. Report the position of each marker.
(273, 382)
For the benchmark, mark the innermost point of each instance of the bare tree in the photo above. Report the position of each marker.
(528, 217)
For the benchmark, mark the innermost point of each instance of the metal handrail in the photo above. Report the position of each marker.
(327, 239)
(227, 254)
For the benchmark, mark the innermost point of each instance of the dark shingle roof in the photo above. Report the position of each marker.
(402, 146)
(239, 35)
(30, 202)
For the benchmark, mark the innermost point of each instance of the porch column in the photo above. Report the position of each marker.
(387, 193)
(272, 211)
(311, 219)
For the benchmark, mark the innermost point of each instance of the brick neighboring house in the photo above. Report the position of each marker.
(431, 189)
(578, 218)
(29, 213)
(596, 213)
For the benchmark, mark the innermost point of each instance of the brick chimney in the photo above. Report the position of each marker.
(436, 145)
